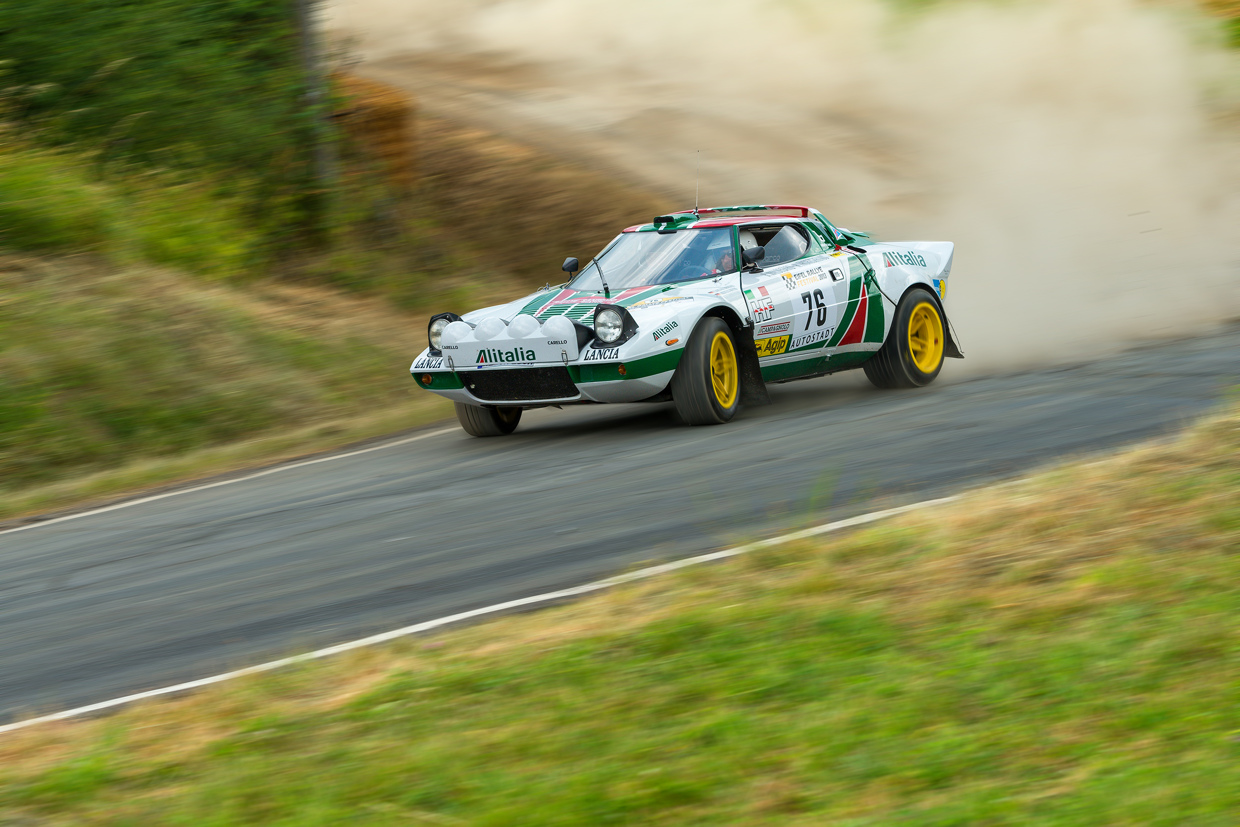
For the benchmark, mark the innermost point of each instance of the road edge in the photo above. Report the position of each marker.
(459, 617)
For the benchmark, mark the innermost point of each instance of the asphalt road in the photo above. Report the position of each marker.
(198, 583)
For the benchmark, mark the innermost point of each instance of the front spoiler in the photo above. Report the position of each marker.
(455, 386)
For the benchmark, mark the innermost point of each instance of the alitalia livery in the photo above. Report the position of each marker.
(703, 308)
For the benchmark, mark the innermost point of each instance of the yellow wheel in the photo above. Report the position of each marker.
(912, 356)
(925, 337)
(724, 375)
(706, 387)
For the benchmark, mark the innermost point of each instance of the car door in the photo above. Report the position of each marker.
(770, 302)
(796, 304)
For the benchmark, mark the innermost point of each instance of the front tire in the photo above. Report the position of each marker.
(487, 421)
(707, 383)
(912, 356)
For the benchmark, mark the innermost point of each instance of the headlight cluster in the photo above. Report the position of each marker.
(613, 325)
(436, 333)
(608, 325)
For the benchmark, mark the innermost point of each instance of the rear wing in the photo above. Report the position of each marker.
(782, 210)
(758, 209)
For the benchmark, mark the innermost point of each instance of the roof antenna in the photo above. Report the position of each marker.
(697, 183)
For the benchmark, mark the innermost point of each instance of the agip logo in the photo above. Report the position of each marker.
(773, 346)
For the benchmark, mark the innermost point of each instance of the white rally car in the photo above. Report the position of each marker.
(703, 308)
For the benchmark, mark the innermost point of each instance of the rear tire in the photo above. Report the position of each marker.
(487, 421)
(707, 382)
(912, 356)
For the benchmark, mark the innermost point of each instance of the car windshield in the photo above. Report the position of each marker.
(640, 259)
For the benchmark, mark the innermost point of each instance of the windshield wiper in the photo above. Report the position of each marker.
(602, 278)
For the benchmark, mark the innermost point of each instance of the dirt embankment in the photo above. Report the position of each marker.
(1081, 153)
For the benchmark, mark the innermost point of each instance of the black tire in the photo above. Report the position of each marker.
(896, 365)
(487, 421)
(693, 385)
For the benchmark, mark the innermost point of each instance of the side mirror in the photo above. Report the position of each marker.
(752, 256)
(570, 265)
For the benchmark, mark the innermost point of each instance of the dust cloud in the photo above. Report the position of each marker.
(1074, 151)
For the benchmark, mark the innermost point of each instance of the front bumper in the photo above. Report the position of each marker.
(553, 384)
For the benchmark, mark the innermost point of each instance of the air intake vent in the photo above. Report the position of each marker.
(520, 384)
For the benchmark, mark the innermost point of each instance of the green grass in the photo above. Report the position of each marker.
(1059, 652)
(58, 202)
(104, 365)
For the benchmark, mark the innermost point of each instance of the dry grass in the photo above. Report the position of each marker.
(117, 377)
(527, 210)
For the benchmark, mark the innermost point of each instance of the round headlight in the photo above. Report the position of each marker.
(436, 332)
(608, 326)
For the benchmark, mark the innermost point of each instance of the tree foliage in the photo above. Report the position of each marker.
(215, 86)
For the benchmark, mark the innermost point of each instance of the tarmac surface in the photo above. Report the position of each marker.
(191, 585)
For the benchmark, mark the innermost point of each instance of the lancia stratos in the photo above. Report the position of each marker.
(703, 308)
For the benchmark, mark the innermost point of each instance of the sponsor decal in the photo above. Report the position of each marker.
(429, 363)
(495, 356)
(557, 341)
(449, 347)
(602, 354)
(662, 300)
(813, 338)
(666, 329)
(816, 318)
(771, 329)
(906, 259)
(801, 279)
(772, 346)
(940, 286)
(761, 305)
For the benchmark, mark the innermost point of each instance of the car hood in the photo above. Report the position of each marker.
(649, 302)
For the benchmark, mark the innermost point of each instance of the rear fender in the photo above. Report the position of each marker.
(951, 349)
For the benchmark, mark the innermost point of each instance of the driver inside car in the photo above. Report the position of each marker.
(721, 258)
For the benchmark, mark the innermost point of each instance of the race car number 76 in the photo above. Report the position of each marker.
(814, 301)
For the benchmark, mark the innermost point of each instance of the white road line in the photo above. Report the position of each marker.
(277, 469)
(598, 585)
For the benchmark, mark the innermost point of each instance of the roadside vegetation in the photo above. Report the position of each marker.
(143, 340)
(176, 302)
(1059, 651)
(103, 365)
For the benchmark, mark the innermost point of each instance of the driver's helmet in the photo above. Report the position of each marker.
(748, 239)
(720, 248)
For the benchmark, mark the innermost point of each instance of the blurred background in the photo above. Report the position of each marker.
(220, 222)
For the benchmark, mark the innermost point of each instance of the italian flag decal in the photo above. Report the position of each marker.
(856, 328)
(863, 317)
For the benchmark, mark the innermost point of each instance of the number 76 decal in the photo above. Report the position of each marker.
(814, 301)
